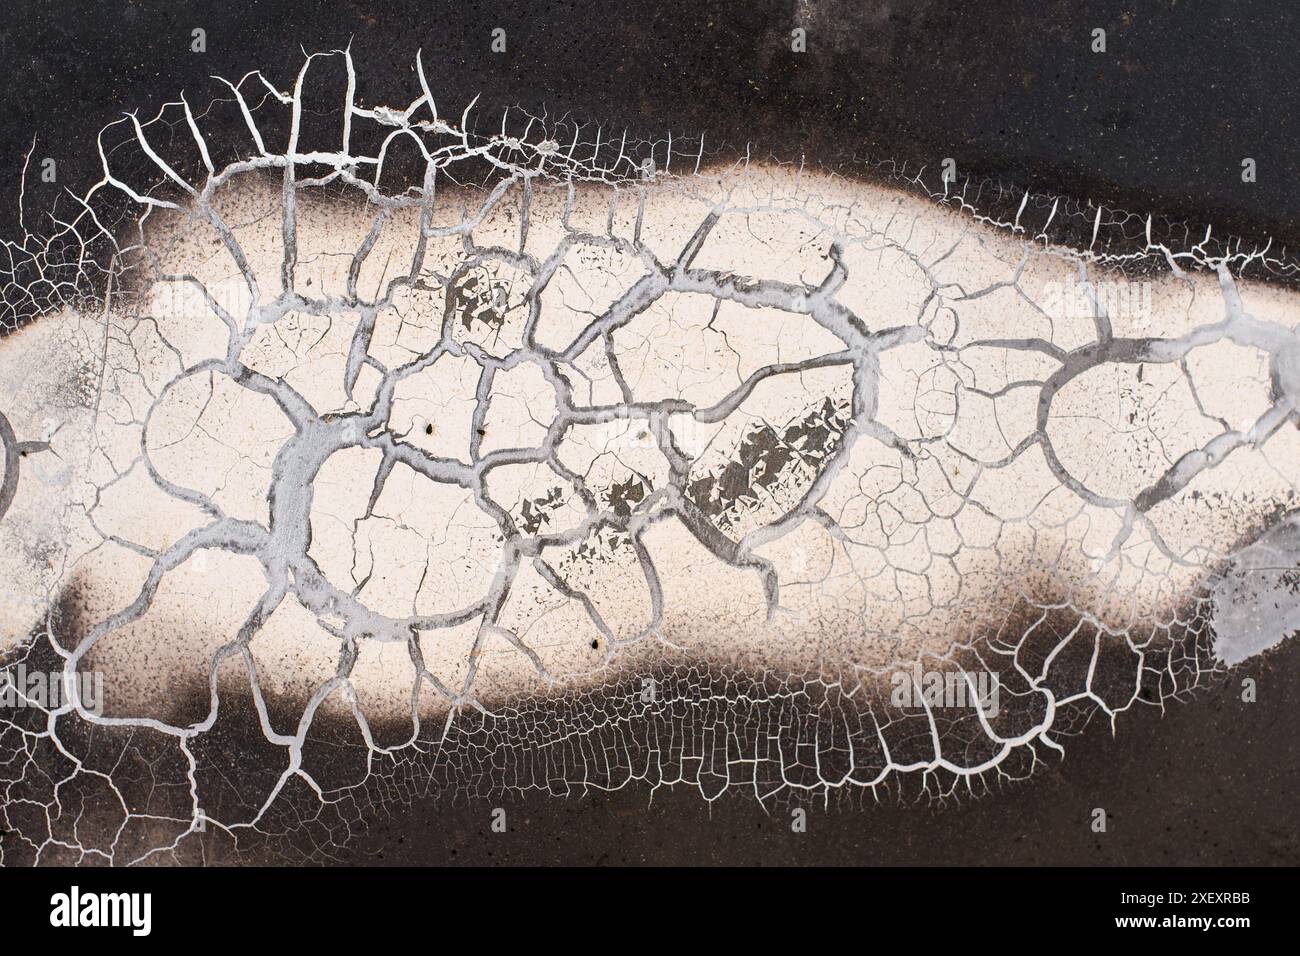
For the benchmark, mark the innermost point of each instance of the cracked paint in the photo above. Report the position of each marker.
(538, 470)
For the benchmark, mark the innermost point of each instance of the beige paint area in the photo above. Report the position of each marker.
(913, 544)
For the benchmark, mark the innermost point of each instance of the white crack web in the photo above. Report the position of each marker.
(378, 454)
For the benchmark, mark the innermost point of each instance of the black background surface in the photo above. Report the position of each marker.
(1160, 122)
(1012, 90)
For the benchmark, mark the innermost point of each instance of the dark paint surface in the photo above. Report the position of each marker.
(1011, 90)
(1213, 782)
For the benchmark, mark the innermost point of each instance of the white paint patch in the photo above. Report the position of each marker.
(1257, 604)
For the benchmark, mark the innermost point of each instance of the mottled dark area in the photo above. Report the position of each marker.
(766, 459)
(1213, 781)
(1011, 90)
(536, 512)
